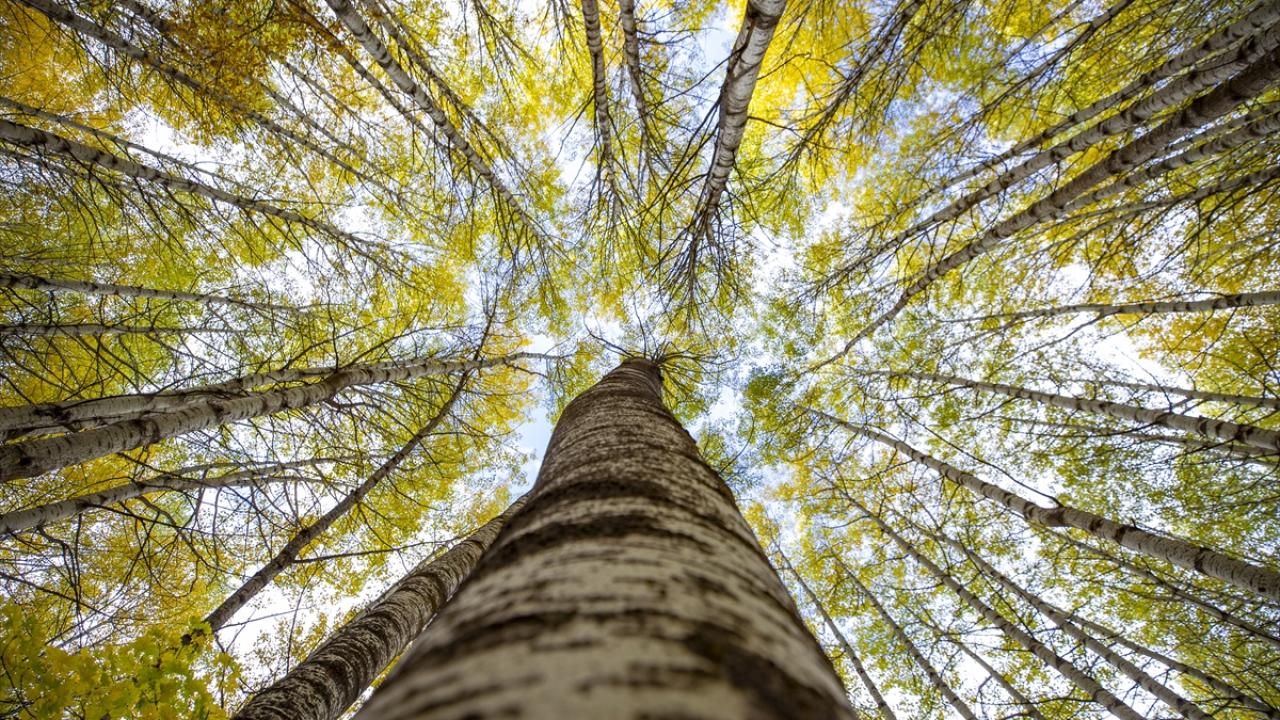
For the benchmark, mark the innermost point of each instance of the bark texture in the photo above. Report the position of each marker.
(334, 675)
(629, 586)
(882, 706)
(1256, 579)
(33, 457)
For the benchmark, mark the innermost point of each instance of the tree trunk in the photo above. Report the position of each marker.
(1140, 677)
(1260, 580)
(758, 23)
(77, 153)
(1250, 435)
(628, 586)
(1262, 14)
(881, 706)
(1155, 307)
(25, 281)
(33, 457)
(1028, 708)
(1272, 403)
(599, 86)
(333, 676)
(289, 554)
(350, 18)
(1069, 670)
(935, 677)
(635, 71)
(180, 480)
(1251, 82)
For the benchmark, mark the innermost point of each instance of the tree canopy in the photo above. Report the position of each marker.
(972, 302)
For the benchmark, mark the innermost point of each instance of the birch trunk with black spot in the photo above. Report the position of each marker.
(847, 647)
(1250, 435)
(1063, 620)
(1248, 84)
(1028, 708)
(1260, 16)
(629, 586)
(334, 674)
(292, 550)
(1246, 576)
(935, 677)
(36, 456)
(187, 480)
(1085, 682)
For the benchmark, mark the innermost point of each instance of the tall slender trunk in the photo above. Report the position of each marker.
(1260, 580)
(1250, 435)
(78, 414)
(33, 457)
(599, 86)
(26, 281)
(1140, 677)
(1251, 82)
(66, 17)
(1131, 117)
(758, 23)
(1262, 14)
(1272, 403)
(1028, 708)
(381, 54)
(1069, 670)
(1218, 684)
(180, 480)
(79, 153)
(1178, 593)
(935, 677)
(628, 586)
(289, 554)
(334, 674)
(76, 330)
(635, 71)
(1222, 302)
(852, 655)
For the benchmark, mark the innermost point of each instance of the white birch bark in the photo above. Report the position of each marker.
(758, 23)
(882, 707)
(33, 457)
(1219, 685)
(1260, 16)
(1140, 677)
(291, 551)
(182, 480)
(66, 17)
(629, 586)
(1229, 398)
(1132, 117)
(1175, 591)
(1249, 134)
(1028, 708)
(81, 414)
(77, 330)
(1249, 435)
(364, 35)
(935, 678)
(599, 86)
(1255, 79)
(1155, 307)
(334, 675)
(48, 142)
(25, 281)
(635, 71)
(1246, 576)
(1069, 670)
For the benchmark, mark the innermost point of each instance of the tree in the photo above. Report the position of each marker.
(969, 305)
